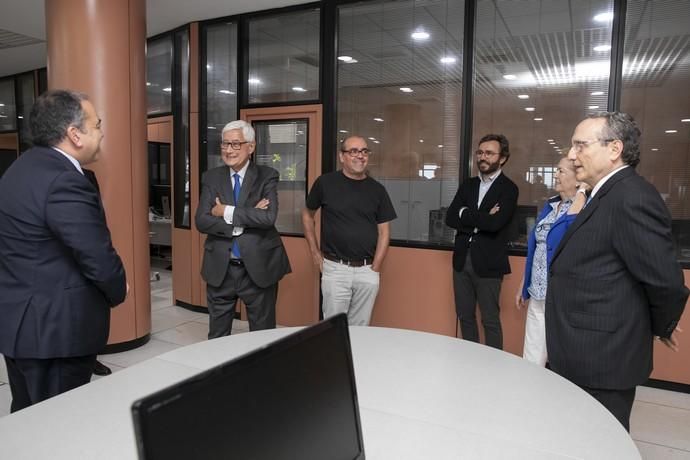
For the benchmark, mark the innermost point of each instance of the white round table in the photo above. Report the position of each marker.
(421, 396)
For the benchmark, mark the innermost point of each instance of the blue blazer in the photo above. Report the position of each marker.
(554, 236)
(59, 273)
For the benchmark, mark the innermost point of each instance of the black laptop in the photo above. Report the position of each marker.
(294, 398)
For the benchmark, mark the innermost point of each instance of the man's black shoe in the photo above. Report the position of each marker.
(101, 369)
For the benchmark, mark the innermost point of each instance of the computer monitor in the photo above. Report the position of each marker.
(294, 398)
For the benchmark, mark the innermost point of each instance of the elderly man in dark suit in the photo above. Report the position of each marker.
(59, 273)
(481, 212)
(614, 282)
(244, 257)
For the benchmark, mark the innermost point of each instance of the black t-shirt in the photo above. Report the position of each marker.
(350, 212)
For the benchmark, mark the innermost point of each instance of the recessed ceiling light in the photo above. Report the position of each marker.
(420, 34)
(148, 83)
(209, 66)
(671, 131)
(549, 140)
(421, 141)
(406, 90)
(342, 131)
(448, 60)
(254, 81)
(440, 146)
(345, 58)
(592, 107)
(299, 89)
(226, 91)
(556, 147)
(523, 96)
(371, 138)
(602, 48)
(510, 76)
(597, 93)
(168, 89)
(538, 119)
(377, 142)
(655, 150)
(685, 120)
(20, 117)
(530, 109)
(378, 119)
(604, 17)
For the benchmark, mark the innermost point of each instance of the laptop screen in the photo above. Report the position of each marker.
(292, 399)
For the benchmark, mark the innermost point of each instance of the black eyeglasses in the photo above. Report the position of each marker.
(354, 152)
(235, 145)
(578, 146)
(486, 153)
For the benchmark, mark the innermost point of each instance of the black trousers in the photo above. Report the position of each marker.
(618, 402)
(34, 380)
(470, 288)
(221, 301)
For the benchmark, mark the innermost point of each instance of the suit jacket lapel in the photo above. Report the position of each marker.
(226, 186)
(592, 206)
(473, 193)
(247, 183)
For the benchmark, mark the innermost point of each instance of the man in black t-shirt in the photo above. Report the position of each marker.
(355, 231)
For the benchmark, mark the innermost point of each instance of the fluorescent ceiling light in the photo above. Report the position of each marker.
(685, 120)
(20, 117)
(604, 17)
(378, 119)
(406, 90)
(448, 60)
(299, 89)
(377, 142)
(655, 150)
(592, 107)
(440, 146)
(347, 59)
(372, 138)
(168, 89)
(420, 34)
(538, 119)
(530, 109)
(523, 96)
(226, 91)
(671, 131)
(210, 127)
(510, 76)
(254, 81)
(602, 48)
(342, 131)
(597, 93)
(209, 66)
(421, 141)
(148, 83)
(549, 140)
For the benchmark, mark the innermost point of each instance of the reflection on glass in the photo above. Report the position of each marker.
(282, 145)
(25, 93)
(284, 57)
(8, 114)
(158, 75)
(181, 130)
(540, 68)
(221, 88)
(400, 86)
(656, 77)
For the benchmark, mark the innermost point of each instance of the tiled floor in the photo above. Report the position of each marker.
(660, 419)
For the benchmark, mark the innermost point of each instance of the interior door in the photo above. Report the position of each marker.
(288, 139)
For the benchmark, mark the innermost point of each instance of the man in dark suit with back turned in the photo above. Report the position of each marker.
(481, 212)
(59, 273)
(244, 257)
(614, 282)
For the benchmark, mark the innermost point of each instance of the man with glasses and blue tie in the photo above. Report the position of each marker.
(614, 281)
(244, 257)
(481, 213)
(355, 232)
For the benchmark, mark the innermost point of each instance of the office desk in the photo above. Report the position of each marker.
(160, 231)
(421, 396)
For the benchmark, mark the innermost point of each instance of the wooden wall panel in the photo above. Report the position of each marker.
(9, 141)
(298, 293)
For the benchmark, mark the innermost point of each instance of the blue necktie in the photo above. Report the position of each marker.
(236, 194)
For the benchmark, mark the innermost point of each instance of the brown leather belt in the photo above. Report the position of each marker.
(349, 263)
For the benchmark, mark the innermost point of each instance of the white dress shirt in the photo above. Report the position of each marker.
(71, 159)
(229, 211)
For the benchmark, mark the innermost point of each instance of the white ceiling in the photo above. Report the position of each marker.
(26, 17)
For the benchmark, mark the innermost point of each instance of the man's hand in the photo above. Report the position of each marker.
(494, 210)
(520, 303)
(263, 203)
(127, 292)
(218, 209)
(317, 258)
(672, 342)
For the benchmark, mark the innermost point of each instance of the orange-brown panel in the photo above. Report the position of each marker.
(165, 131)
(416, 291)
(198, 288)
(669, 365)
(181, 254)
(152, 131)
(298, 292)
(9, 141)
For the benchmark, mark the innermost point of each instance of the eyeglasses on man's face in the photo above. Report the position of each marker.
(235, 145)
(355, 152)
(484, 153)
(579, 146)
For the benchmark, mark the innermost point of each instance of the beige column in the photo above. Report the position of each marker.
(98, 47)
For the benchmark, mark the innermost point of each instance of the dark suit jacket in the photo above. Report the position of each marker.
(260, 245)
(488, 248)
(613, 283)
(59, 273)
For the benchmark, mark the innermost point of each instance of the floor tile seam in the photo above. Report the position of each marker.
(686, 409)
(661, 445)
